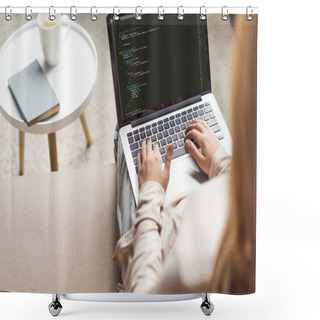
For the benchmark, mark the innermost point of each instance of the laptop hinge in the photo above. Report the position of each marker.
(165, 111)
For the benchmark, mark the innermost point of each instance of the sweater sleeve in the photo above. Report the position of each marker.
(220, 163)
(146, 259)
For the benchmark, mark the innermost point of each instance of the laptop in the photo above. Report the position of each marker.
(161, 77)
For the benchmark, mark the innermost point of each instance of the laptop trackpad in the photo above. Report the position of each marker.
(185, 176)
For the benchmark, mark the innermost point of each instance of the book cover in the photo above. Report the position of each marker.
(33, 94)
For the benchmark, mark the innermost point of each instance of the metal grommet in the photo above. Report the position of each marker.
(249, 17)
(203, 13)
(180, 13)
(160, 15)
(116, 14)
(28, 12)
(138, 15)
(93, 15)
(224, 13)
(8, 16)
(73, 11)
(52, 16)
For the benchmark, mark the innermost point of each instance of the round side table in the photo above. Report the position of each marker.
(72, 79)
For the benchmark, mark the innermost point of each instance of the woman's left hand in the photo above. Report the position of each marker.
(149, 164)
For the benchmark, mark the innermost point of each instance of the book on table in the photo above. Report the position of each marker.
(33, 94)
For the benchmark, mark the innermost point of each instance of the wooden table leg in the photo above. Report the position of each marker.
(85, 129)
(53, 151)
(21, 152)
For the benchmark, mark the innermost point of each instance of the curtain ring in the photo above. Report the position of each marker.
(224, 13)
(51, 16)
(180, 13)
(160, 15)
(28, 12)
(8, 16)
(93, 15)
(203, 13)
(73, 11)
(116, 14)
(249, 17)
(137, 15)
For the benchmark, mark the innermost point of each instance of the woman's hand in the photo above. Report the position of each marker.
(149, 164)
(200, 132)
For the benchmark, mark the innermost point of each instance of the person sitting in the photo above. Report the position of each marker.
(203, 241)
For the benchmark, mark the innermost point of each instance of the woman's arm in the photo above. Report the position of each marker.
(220, 163)
(146, 260)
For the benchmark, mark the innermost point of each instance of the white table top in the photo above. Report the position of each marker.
(73, 78)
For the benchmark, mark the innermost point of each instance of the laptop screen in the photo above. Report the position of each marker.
(157, 63)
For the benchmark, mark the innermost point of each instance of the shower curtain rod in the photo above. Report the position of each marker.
(118, 9)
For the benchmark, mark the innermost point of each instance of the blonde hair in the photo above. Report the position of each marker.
(235, 264)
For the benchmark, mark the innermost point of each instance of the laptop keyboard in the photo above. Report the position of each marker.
(171, 130)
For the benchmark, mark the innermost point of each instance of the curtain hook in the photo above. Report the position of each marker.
(93, 15)
(224, 13)
(160, 15)
(73, 13)
(52, 17)
(180, 13)
(28, 12)
(203, 13)
(116, 14)
(8, 16)
(249, 17)
(138, 15)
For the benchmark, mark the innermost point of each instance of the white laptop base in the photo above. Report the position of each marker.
(185, 175)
